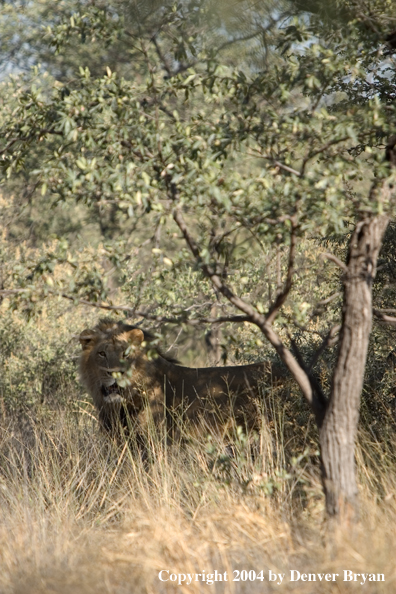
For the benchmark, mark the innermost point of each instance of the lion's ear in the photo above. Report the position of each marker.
(135, 336)
(86, 339)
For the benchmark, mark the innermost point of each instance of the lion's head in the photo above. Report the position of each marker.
(111, 359)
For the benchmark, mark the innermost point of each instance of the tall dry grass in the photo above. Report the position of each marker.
(81, 514)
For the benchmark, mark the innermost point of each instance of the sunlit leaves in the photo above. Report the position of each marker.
(240, 151)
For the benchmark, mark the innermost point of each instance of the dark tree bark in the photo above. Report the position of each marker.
(339, 427)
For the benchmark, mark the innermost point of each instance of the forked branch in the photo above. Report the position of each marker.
(329, 340)
(282, 296)
(256, 318)
(383, 317)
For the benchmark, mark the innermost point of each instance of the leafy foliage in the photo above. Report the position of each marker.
(215, 181)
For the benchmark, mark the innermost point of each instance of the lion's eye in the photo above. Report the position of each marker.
(102, 354)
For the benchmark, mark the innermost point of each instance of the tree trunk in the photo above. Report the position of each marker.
(339, 427)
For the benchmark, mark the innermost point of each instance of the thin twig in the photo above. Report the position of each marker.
(161, 56)
(263, 219)
(179, 318)
(336, 260)
(287, 168)
(384, 318)
(282, 296)
(385, 311)
(29, 137)
(330, 299)
(330, 340)
(320, 150)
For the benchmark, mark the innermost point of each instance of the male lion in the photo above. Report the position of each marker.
(133, 384)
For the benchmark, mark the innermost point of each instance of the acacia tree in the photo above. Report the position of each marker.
(223, 158)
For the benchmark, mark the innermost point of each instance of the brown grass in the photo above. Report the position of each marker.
(80, 514)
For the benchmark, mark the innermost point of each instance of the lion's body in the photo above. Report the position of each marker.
(156, 389)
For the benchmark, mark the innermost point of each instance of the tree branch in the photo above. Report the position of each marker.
(287, 168)
(263, 219)
(29, 137)
(329, 299)
(257, 319)
(161, 56)
(312, 379)
(244, 38)
(282, 296)
(330, 340)
(385, 311)
(382, 317)
(320, 150)
(178, 319)
(336, 260)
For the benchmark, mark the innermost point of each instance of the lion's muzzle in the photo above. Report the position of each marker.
(111, 394)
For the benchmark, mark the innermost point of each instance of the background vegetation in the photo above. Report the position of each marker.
(102, 108)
